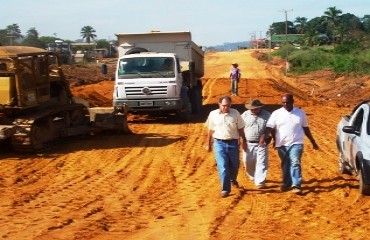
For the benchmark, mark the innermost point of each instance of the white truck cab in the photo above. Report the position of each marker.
(148, 82)
(159, 72)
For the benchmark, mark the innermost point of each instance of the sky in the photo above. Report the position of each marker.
(211, 22)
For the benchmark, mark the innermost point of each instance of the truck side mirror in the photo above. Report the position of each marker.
(104, 69)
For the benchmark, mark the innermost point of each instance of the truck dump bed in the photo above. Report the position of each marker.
(179, 43)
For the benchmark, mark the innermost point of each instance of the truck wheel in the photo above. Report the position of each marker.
(342, 167)
(363, 188)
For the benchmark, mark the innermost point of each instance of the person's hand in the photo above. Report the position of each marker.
(245, 146)
(208, 147)
(314, 145)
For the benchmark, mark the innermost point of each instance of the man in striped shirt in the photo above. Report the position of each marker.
(255, 157)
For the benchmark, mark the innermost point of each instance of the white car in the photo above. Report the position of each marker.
(353, 143)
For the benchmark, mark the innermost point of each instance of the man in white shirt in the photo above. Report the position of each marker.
(290, 125)
(225, 126)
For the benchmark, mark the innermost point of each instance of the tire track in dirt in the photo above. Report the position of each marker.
(161, 183)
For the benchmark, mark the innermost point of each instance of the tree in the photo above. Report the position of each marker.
(314, 33)
(301, 24)
(3, 37)
(102, 43)
(279, 28)
(13, 32)
(32, 39)
(88, 33)
(366, 23)
(332, 18)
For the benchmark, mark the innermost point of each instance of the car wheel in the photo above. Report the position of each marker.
(364, 188)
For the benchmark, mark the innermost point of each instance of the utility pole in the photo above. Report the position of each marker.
(286, 40)
(270, 45)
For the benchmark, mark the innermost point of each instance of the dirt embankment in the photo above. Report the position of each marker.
(160, 183)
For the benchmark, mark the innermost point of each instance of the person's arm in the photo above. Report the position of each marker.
(265, 133)
(307, 132)
(209, 140)
(244, 139)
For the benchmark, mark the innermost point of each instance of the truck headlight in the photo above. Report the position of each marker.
(171, 103)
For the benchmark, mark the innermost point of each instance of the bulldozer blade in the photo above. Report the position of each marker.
(106, 118)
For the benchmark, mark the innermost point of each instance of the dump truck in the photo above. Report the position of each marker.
(37, 107)
(159, 72)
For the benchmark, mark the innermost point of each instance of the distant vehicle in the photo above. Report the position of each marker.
(353, 143)
(159, 72)
(63, 48)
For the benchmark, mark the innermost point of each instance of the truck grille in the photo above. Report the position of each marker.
(146, 91)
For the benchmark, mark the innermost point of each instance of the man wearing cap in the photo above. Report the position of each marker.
(234, 77)
(255, 157)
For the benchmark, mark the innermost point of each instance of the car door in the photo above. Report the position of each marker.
(353, 139)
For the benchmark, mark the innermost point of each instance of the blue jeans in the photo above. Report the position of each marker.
(291, 164)
(227, 159)
(234, 86)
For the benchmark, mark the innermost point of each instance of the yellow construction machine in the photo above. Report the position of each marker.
(37, 107)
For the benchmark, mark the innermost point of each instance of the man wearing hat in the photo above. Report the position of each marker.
(234, 77)
(255, 157)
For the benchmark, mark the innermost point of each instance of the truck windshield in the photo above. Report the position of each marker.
(146, 67)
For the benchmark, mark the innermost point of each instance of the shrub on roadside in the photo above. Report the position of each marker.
(341, 59)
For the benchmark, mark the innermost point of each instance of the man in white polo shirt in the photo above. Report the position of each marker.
(290, 124)
(225, 126)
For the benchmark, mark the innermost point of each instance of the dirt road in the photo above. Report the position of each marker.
(160, 183)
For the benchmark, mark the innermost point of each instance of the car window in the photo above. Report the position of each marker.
(357, 123)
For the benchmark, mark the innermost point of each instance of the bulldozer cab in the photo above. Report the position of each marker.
(26, 76)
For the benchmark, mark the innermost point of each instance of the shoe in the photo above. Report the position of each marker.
(235, 184)
(224, 194)
(284, 188)
(250, 177)
(297, 190)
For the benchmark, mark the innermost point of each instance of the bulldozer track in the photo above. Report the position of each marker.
(41, 130)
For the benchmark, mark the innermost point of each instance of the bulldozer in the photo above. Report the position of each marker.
(37, 108)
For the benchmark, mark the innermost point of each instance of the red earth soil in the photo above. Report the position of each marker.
(161, 183)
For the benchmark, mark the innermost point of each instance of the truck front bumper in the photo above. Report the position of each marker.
(152, 105)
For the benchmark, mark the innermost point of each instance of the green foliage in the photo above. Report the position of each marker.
(309, 60)
(102, 43)
(341, 59)
(347, 47)
(344, 63)
(88, 33)
(284, 50)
